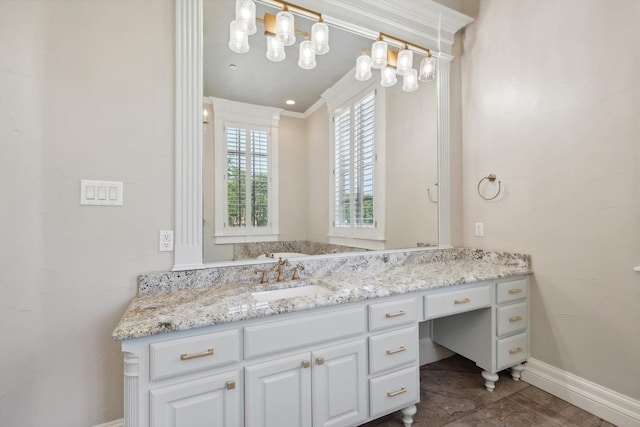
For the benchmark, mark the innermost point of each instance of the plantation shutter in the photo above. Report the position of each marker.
(354, 161)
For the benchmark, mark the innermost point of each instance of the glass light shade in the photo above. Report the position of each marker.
(307, 59)
(388, 77)
(410, 81)
(427, 69)
(275, 49)
(320, 38)
(246, 16)
(363, 67)
(285, 28)
(379, 54)
(238, 39)
(405, 62)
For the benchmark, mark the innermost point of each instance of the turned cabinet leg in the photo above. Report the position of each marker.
(408, 413)
(490, 380)
(516, 371)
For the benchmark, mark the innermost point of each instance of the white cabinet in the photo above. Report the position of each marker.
(495, 337)
(278, 392)
(212, 401)
(325, 387)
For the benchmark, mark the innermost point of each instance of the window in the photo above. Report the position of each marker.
(355, 170)
(245, 172)
(247, 177)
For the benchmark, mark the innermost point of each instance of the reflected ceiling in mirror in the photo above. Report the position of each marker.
(251, 77)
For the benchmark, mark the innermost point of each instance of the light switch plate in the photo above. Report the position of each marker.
(479, 229)
(101, 193)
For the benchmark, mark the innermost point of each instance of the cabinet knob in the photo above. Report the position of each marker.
(320, 361)
(231, 385)
(306, 364)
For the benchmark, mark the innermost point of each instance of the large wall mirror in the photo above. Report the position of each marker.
(412, 202)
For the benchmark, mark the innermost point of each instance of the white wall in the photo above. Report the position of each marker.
(551, 104)
(318, 175)
(86, 91)
(411, 162)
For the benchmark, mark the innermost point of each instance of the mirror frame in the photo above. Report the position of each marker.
(425, 23)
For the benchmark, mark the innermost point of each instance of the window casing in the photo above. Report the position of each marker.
(246, 193)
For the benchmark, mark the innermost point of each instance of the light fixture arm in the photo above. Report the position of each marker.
(304, 10)
(404, 44)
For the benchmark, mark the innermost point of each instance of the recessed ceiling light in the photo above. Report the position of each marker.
(290, 102)
(233, 66)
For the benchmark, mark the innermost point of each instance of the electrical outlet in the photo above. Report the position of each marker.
(479, 229)
(166, 241)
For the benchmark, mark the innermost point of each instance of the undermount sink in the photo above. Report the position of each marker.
(297, 292)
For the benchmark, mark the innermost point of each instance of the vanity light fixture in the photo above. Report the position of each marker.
(205, 122)
(281, 31)
(392, 63)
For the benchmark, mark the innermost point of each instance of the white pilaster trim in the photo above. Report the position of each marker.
(188, 135)
(605, 403)
(131, 388)
(444, 150)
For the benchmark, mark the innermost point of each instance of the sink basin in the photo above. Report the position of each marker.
(297, 292)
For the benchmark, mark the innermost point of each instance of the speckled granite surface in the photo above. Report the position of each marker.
(176, 301)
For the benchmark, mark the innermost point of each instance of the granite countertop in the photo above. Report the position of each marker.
(169, 302)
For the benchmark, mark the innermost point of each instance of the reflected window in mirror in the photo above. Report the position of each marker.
(245, 174)
(357, 150)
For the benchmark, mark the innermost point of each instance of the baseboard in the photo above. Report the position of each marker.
(431, 352)
(114, 423)
(607, 404)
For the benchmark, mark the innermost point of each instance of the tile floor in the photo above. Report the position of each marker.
(453, 394)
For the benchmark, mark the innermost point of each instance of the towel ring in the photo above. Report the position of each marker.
(429, 195)
(490, 178)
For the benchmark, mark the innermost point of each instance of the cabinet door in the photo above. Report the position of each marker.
(278, 392)
(212, 401)
(340, 385)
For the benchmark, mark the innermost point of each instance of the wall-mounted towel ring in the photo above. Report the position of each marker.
(429, 195)
(490, 178)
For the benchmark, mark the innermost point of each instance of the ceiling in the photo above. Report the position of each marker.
(257, 80)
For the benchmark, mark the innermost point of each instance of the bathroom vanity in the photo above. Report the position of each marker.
(335, 349)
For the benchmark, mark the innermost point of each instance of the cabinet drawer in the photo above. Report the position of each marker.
(184, 355)
(303, 330)
(394, 313)
(393, 349)
(512, 290)
(394, 391)
(512, 350)
(512, 318)
(453, 302)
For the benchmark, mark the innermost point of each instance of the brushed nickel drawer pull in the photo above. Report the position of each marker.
(319, 360)
(397, 392)
(462, 301)
(306, 364)
(515, 319)
(231, 385)
(396, 314)
(396, 350)
(515, 291)
(185, 356)
(516, 351)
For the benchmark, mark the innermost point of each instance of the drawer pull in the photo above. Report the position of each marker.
(231, 385)
(396, 350)
(306, 364)
(462, 301)
(516, 351)
(319, 360)
(515, 319)
(397, 392)
(515, 291)
(185, 356)
(396, 314)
